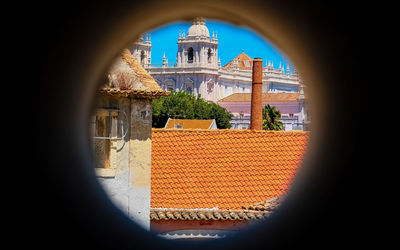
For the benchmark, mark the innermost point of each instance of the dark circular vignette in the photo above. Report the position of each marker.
(323, 207)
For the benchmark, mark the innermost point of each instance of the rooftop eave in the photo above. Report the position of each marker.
(133, 93)
(183, 214)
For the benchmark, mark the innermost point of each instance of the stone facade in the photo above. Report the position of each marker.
(121, 133)
(123, 156)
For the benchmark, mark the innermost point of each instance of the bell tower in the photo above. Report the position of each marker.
(141, 49)
(196, 48)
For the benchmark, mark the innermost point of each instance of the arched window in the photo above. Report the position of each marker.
(190, 55)
(209, 54)
(169, 84)
(170, 87)
(142, 58)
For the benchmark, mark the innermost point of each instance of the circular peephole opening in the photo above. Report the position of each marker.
(200, 129)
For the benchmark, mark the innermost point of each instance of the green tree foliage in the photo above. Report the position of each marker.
(183, 105)
(221, 115)
(271, 118)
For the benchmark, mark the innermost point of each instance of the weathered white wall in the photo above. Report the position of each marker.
(115, 179)
(140, 162)
(127, 180)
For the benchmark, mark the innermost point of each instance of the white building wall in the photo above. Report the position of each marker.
(227, 88)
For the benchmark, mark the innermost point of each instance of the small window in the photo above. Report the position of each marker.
(105, 124)
(190, 55)
(103, 129)
(209, 55)
(142, 58)
(178, 125)
(109, 124)
(170, 86)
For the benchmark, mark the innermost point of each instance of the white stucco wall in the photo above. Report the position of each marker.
(127, 181)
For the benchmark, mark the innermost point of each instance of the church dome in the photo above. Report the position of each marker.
(198, 28)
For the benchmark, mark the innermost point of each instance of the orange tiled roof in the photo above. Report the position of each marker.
(268, 205)
(189, 124)
(224, 169)
(245, 62)
(267, 97)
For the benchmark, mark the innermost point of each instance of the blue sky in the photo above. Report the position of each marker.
(232, 40)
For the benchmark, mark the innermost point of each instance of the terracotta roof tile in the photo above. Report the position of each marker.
(133, 93)
(228, 169)
(245, 62)
(166, 214)
(268, 205)
(189, 124)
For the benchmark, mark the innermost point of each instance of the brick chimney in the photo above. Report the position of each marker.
(256, 95)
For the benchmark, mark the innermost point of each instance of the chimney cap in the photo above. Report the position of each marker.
(257, 59)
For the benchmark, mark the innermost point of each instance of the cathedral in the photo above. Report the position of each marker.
(198, 69)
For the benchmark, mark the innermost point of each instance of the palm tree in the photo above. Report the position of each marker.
(271, 118)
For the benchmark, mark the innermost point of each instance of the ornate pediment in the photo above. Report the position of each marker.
(169, 83)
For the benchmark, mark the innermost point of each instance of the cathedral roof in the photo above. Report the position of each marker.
(198, 28)
(243, 61)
